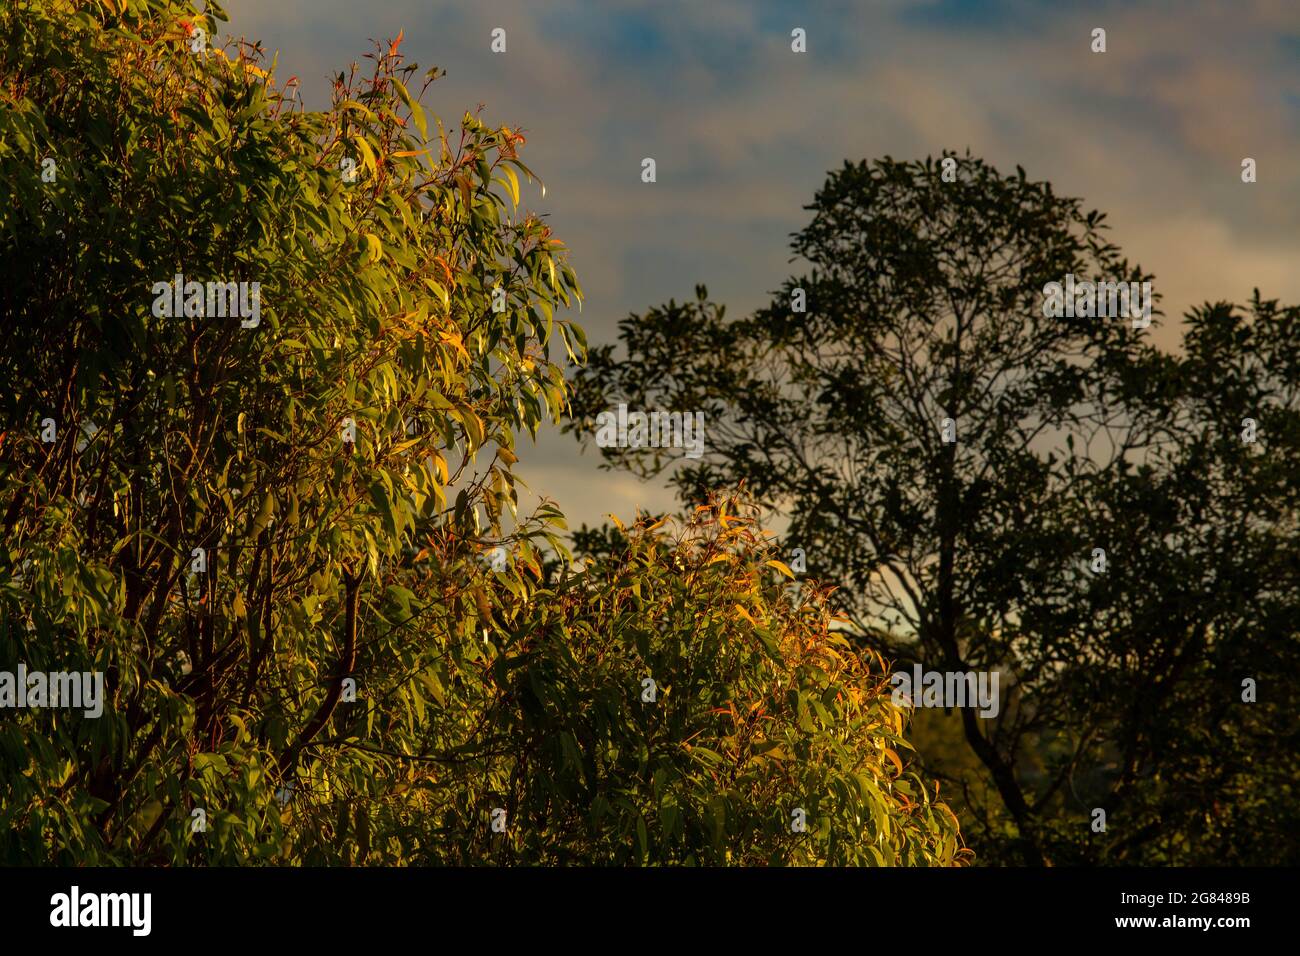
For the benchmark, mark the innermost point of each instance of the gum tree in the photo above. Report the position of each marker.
(220, 520)
(1198, 648)
(958, 458)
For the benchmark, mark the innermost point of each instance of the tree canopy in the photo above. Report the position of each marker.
(287, 532)
(997, 486)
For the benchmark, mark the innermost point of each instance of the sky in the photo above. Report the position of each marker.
(743, 131)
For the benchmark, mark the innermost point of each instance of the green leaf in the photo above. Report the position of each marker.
(417, 112)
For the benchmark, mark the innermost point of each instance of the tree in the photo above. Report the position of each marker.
(280, 519)
(956, 455)
(1198, 646)
(219, 522)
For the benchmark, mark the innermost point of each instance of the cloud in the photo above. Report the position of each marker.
(743, 131)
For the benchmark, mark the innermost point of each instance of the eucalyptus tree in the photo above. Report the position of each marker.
(970, 458)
